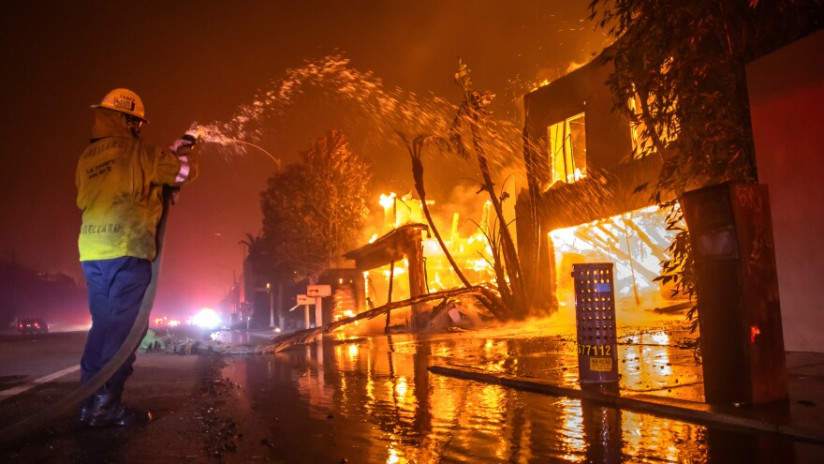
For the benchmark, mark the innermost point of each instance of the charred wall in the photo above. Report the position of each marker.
(612, 179)
(584, 90)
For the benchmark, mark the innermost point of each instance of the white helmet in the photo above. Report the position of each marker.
(124, 101)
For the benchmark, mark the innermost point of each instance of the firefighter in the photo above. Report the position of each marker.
(119, 182)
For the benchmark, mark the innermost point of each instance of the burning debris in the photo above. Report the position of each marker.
(635, 241)
(284, 341)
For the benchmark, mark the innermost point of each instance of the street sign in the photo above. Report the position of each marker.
(318, 290)
(305, 300)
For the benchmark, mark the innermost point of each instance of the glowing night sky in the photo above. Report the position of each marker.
(198, 61)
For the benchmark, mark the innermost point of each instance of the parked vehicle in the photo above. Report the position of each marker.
(32, 325)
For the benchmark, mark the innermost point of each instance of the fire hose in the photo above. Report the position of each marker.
(70, 402)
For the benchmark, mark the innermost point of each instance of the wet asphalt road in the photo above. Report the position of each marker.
(362, 400)
(26, 357)
(167, 385)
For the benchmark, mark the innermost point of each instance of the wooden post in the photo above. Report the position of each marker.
(417, 282)
(389, 293)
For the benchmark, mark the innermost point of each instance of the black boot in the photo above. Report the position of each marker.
(107, 411)
(84, 415)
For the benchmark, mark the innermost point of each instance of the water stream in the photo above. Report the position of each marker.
(360, 104)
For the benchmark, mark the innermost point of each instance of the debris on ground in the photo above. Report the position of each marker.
(184, 344)
(220, 433)
(151, 342)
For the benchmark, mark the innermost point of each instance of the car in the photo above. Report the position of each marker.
(32, 325)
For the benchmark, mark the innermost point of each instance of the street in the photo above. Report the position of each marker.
(28, 357)
(367, 400)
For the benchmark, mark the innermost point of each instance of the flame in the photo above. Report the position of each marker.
(387, 200)
(538, 85)
(572, 66)
(398, 270)
(471, 252)
(636, 242)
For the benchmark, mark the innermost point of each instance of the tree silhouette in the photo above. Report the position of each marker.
(314, 211)
(683, 65)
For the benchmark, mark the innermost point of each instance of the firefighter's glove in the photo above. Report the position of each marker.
(184, 144)
(173, 193)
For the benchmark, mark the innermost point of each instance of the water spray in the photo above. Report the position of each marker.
(210, 134)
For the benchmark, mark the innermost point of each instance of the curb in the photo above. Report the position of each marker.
(690, 411)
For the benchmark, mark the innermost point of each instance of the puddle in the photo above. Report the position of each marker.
(373, 400)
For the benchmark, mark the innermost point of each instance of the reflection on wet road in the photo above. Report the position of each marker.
(372, 400)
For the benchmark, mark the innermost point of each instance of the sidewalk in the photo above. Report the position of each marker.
(671, 388)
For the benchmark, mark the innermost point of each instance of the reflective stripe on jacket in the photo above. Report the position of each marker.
(119, 187)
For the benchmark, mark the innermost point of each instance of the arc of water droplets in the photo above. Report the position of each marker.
(385, 110)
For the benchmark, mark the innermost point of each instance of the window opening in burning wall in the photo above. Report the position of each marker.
(568, 149)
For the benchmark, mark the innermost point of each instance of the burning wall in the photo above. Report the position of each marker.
(584, 196)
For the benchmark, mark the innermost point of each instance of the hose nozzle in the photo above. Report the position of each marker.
(195, 131)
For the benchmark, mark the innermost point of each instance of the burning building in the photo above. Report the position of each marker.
(407, 262)
(584, 178)
(585, 197)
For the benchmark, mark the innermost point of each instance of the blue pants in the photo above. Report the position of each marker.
(116, 288)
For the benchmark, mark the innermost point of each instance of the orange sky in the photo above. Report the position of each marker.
(200, 60)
